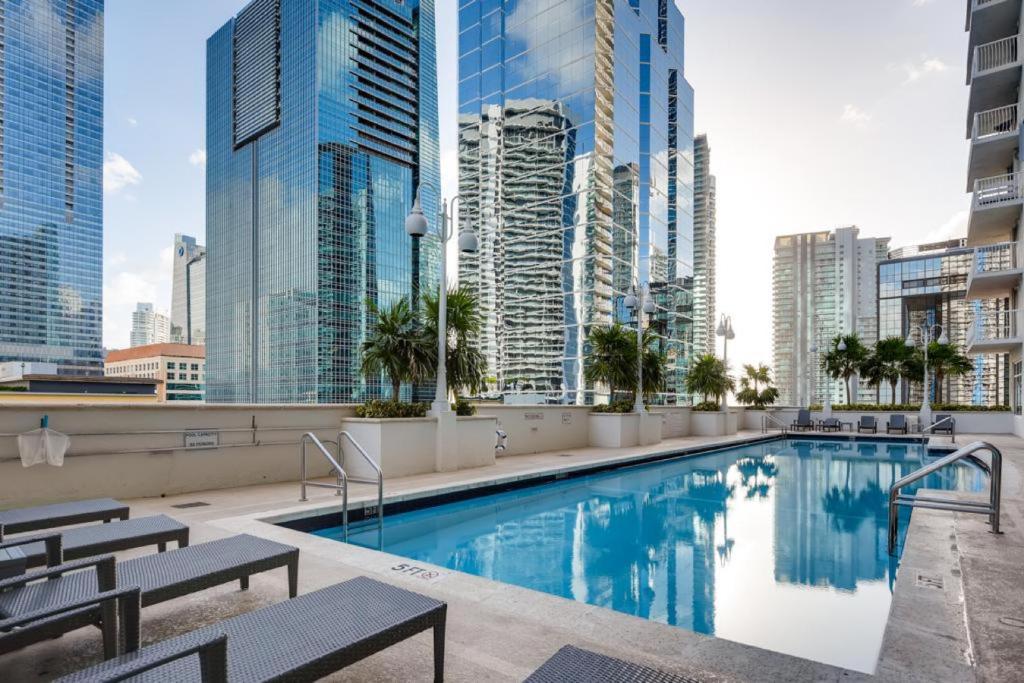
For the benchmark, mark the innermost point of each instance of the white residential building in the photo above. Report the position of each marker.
(188, 296)
(149, 326)
(823, 284)
(704, 219)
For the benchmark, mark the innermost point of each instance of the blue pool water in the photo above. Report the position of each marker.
(781, 545)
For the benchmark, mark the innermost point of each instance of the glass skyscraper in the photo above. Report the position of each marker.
(576, 167)
(51, 183)
(321, 122)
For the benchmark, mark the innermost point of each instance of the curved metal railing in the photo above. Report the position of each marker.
(765, 426)
(991, 508)
(934, 426)
(341, 487)
(378, 480)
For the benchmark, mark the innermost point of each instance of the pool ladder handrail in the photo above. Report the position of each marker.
(952, 427)
(991, 508)
(766, 418)
(378, 480)
(341, 488)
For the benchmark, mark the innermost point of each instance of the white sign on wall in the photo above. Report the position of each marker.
(202, 438)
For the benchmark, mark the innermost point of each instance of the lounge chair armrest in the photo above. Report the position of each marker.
(104, 570)
(128, 592)
(53, 543)
(212, 651)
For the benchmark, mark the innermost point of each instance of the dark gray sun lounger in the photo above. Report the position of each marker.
(803, 421)
(573, 665)
(159, 577)
(100, 539)
(831, 424)
(61, 514)
(303, 639)
(867, 423)
(896, 423)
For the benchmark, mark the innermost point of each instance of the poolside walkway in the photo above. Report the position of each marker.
(500, 632)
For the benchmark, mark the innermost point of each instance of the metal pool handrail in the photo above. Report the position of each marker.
(766, 418)
(896, 498)
(952, 427)
(378, 480)
(341, 487)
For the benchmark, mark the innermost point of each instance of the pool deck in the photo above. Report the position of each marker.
(957, 612)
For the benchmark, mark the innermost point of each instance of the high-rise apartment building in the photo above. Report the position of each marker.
(321, 124)
(576, 167)
(996, 178)
(51, 184)
(149, 326)
(188, 293)
(704, 217)
(823, 284)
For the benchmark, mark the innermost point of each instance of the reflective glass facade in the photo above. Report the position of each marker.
(321, 121)
(51, 183)
(576, 168)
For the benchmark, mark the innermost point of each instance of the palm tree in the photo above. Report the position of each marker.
(887, 364)
(465, 364)
(395, 346)
(845, 362)
(751, 382)
(708, 377)
(655, 365)
(945, 360)
(612, 357)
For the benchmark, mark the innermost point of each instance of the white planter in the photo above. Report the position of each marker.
(477, 439)
(400, 446)
(721, 423)
(650, 431)
(614, 430)
(676, 422)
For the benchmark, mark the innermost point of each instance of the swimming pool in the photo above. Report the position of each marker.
(778, 544)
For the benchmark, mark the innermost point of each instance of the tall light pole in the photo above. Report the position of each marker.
(725, 332)
(639, 300)
(416, 226)
(928, 334)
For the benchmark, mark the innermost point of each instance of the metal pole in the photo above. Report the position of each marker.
(725, 360)
(638, 404)
(302, 468)
(441, 392)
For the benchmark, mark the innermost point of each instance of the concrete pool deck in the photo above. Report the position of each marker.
(958, 599)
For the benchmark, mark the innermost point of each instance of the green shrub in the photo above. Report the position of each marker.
(391, 409)
(707, 407)
(464, 408)
(621, 406)
(914, 407)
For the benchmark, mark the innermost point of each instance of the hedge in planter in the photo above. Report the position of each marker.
(391, 409)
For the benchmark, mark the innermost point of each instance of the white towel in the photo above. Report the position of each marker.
(43, 446)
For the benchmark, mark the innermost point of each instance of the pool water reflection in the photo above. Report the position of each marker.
(781, 545)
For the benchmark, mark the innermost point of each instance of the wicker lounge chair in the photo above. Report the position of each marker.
(99, 539)
(803, 421)
(896, 424)
(61, 514)
(867, 423)
(160, 577)
(573, 665)
(303, 639)
(831, 424)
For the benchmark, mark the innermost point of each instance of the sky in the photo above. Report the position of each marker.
(819, 115)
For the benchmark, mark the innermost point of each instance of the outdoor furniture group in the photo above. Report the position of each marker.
(301, 639)
(867, 424)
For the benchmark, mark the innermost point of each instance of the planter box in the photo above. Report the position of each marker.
(675, 423)
(651, 425)
(477, 439)
(614, 430)
(400, 446)
(721, 423)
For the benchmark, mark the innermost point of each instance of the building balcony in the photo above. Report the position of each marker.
(994, 76)
(996, 271)
(995, 208)
(994, 332)
(994, 139)
(990, 20)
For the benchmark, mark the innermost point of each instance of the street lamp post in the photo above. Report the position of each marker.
(928, 334)
(725, 332)
(639, 300)
(416, 226)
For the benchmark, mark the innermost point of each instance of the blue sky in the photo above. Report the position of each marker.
(820, 114)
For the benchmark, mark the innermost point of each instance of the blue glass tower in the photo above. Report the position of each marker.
(576, 163)
(321, 122)
(51, 183)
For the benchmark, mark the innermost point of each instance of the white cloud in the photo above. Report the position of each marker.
(133, 122)
(126, 283)
(855, 116)
(915, 71)
(954, 227)
(118, 173)
(198, 158)
(921, 3)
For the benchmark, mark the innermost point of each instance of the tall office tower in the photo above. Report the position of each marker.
(926, 285)
(188, 295)
(823, 284)
(575, 166)
(149, 327)
(704, 191)
(321, 124)
(996, 178)
(51, 183)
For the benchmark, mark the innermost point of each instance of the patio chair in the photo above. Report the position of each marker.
(574, 665)
(803, 422)
(897, 424)
(99, 539)
(61, 514)
(159, 578)
(867, 423)
(831, 424)
(944, 424)
(299, 640)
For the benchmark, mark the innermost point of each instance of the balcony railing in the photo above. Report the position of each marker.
(996, 258)
(994, 122)
(992, 326)
(996, 55)
(1000, 189)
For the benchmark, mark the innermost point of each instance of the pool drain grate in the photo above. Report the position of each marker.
(196, 504)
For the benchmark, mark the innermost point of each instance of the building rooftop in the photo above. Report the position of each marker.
(151, 350)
